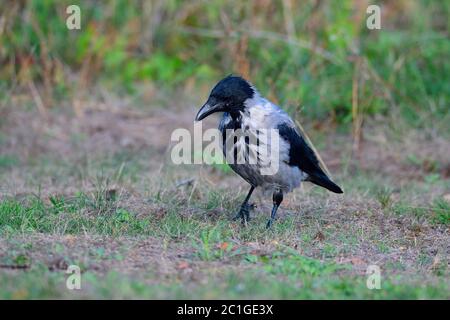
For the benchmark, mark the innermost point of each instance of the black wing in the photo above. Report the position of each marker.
(302, 156)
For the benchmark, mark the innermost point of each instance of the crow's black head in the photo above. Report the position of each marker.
(228, 95)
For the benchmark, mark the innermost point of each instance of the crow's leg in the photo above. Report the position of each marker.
(244, 212)
(277, 198)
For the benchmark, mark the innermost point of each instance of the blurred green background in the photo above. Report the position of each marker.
(313, 57)
(86, 178)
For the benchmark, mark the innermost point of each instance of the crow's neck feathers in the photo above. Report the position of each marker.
(256, 112)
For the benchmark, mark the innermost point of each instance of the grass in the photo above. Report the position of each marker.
(281, 276)
(193, 249)
(86, 178)
(399, 69)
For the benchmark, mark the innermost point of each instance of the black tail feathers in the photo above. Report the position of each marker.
(323, 181)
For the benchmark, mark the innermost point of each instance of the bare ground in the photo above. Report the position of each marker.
(62, 153)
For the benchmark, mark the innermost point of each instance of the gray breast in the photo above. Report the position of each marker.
(250, 172)
(285, 177)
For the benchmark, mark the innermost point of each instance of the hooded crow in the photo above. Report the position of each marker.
(245, 110)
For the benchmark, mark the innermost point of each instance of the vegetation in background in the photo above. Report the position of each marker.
(95, 187)
(314, 57)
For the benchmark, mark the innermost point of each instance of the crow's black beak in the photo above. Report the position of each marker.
(208, 109)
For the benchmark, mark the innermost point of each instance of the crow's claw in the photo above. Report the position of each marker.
(244, 213)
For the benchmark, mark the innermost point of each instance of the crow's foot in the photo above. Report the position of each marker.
(244, 213)
(269, 223)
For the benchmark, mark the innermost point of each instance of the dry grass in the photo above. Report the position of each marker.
(110, 200)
